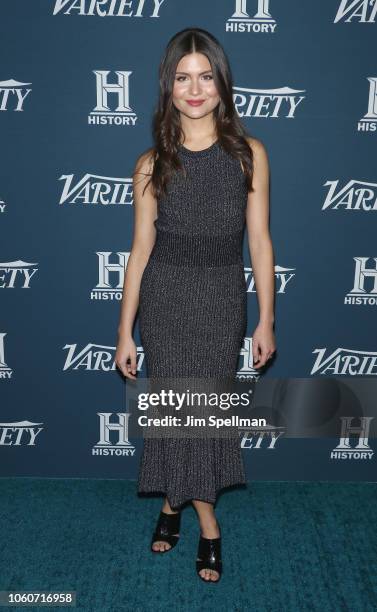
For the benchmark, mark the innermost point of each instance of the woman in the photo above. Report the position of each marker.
(194, 192)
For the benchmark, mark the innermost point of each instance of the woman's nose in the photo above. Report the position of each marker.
(194, 87)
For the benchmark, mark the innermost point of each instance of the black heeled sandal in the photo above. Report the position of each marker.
(209, 556)
(167, 526)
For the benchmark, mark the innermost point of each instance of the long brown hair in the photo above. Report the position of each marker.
(166, 125)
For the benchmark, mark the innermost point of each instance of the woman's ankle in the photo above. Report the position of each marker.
(209, 524)
(167, 508)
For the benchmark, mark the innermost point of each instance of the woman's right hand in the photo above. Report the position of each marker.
(126, 350)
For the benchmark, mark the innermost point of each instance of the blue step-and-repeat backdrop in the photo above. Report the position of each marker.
(78, 86)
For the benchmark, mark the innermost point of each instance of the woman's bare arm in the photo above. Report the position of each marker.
(144, 235)
(261, 252)
(260, 244)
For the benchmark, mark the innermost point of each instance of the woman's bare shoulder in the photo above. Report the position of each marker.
(144, 163)
(256, 146)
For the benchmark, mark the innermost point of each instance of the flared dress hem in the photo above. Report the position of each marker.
(177, 502)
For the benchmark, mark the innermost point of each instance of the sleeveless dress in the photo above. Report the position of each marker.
(193, 314)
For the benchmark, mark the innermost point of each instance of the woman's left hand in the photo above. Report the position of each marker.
(263, 341)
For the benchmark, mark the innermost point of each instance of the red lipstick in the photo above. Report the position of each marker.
(195, 102)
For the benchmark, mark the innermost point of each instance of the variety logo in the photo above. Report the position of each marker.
(19, 433)
(96, 357)
(120, 114)
(267, 102)
(105, 446)
(355, 195)
(108, 8)
(345, 362)
(13, 94)
(261, 21)
(362, 10)
(93, 189)
(283, 275)
(16, 271)
(5, 370)
(361, 450)
(261, 437)
(368, 123)
(104, 290)
(359, 294)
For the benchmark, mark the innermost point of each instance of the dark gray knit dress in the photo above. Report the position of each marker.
(192, 314)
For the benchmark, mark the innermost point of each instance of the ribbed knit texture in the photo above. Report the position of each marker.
(192, 315)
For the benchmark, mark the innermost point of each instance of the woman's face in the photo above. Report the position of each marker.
(194, 83)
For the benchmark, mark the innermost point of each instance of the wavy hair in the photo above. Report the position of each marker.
(166, 124)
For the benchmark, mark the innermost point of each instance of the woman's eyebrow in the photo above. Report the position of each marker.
(181, 72)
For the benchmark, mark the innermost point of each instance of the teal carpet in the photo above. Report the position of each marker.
(286, 547)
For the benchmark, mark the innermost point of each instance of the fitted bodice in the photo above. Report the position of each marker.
(210, 199)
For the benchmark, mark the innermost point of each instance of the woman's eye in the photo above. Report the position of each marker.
(207, 77)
